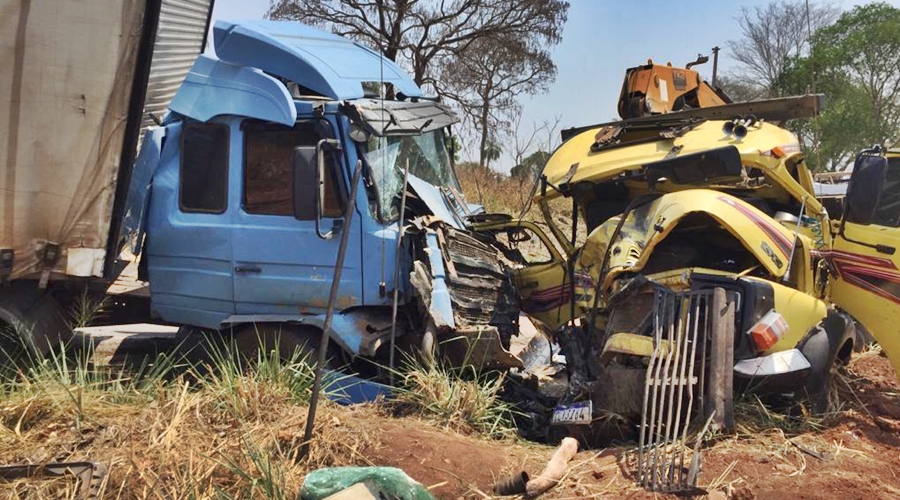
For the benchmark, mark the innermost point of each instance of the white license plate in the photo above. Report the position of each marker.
(575, 413)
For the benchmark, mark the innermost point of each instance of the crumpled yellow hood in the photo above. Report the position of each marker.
(649, 224)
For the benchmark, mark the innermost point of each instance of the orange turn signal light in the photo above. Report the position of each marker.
(768, 330)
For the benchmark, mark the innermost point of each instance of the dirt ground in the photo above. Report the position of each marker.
(155, 450)
(858, 450)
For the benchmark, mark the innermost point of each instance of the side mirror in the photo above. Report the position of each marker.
(309, 182)
(864, 189)
(304, 182)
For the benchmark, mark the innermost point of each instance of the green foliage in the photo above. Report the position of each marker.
(244, 387)
(531, 166)
(856, 63)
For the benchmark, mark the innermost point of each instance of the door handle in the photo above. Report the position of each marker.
(247, 269)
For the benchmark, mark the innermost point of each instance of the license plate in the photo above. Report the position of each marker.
(575, 413)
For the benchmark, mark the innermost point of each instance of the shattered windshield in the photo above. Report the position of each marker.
(387, 157)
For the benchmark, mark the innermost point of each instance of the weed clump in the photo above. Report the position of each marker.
(461, 399)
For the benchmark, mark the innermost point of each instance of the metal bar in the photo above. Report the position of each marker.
(396, 298)
(660, 442)
(654, 399)
(728, 404)
(787, 272)
(647, 378)
(717, 354)
(674, 355)
(329, 312)
(703, 353)
(684, 384)
(652, 374)
(694, 326)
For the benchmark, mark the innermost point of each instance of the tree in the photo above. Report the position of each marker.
(490, 151)
(856, 63)
(480, 53)
(539, 141)
(486, 79)
(739, 89)
(422, 34)
(771, 36)
(531, 166)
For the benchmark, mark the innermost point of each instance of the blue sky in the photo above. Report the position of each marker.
(601, 39)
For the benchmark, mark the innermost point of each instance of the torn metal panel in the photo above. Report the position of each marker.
(434, 199)
(480, 347)
(465, 291)
(441, 305)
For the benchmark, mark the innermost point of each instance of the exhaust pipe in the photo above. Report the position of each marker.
(738, 126)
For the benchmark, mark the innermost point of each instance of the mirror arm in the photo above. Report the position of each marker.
(878, 247)
(320, 185)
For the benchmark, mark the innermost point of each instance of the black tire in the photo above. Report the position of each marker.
(292, 343)
(197, 347)
(827, 347)
(32, 323)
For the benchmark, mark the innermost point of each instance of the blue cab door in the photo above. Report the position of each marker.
(189, 252)
(281, 265)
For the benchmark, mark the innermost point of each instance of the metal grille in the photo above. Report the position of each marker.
(470, 248)
(674, 380)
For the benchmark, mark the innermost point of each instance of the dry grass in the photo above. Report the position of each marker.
(231, 429)
(497, 192)
(169, 433)
(500, 193)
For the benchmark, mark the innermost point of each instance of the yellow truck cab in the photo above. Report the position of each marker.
(677, 207)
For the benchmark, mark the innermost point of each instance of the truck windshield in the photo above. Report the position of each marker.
(428, 160)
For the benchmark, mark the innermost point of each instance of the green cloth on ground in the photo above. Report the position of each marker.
(393, 482)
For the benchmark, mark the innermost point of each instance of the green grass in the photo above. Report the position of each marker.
(458, 398)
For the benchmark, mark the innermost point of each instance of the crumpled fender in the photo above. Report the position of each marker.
(649, 224)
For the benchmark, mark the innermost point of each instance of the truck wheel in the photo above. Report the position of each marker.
(827, 348)
(31, 323)
(293, 343)
(197, 347)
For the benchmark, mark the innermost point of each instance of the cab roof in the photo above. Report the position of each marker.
(325, 63)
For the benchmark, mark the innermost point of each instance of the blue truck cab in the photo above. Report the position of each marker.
(230, 231)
